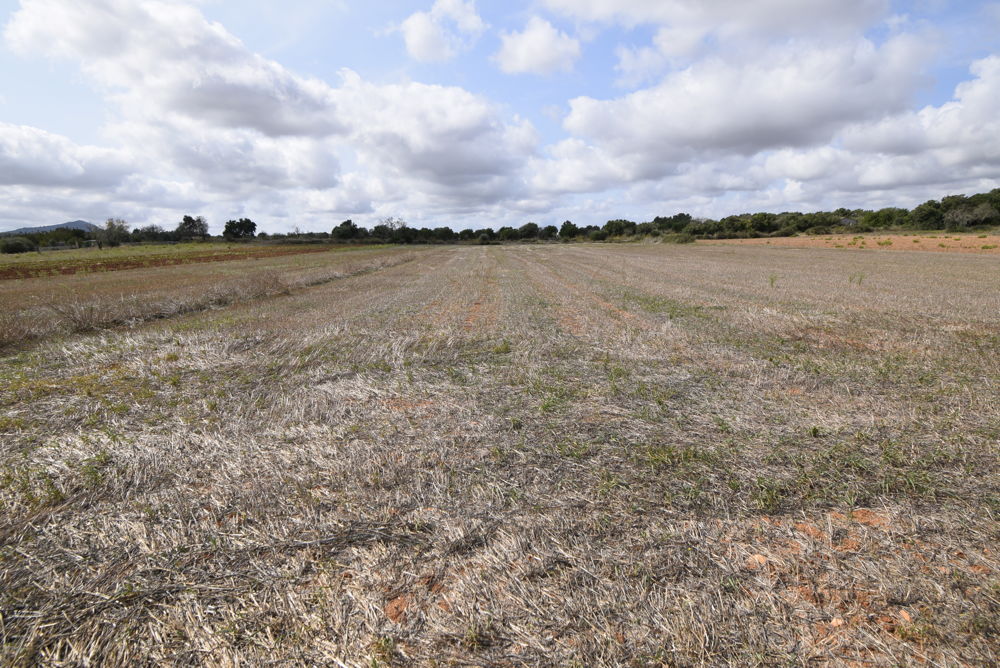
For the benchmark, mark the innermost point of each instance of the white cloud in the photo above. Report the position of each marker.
(792, 95)
(638, 66)
(730, 17)
(199, 107)
(450, 141)
(156, 55)
(540, 49)
(440, 34)
(800, 128)
(742, 109)
(30, 156)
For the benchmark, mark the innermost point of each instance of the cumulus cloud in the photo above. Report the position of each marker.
(161, 55)
(744, 106)
(199, 106)
(30, 156)
(539, 49)
(448, 138)
(441, 33)
(800, 126)
(792, 95)
(688, 29)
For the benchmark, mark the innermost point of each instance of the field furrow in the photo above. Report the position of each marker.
(516, 455)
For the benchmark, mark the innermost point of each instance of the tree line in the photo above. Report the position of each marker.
(115, 232)
(954, 213)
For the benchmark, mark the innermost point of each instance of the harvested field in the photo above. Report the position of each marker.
(38, 307)
(937, 242)
(91, 260)
(524, 455)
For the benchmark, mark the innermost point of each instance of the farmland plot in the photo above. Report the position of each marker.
(556, 455)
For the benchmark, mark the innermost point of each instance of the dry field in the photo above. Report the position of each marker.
(940, 242)
(556, 455)
(91, 260)
(59, 302)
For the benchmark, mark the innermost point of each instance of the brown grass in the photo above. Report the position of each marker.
(936, 242)
(584, 455)
(46, 307)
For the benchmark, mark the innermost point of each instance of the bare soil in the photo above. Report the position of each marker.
(935, 242)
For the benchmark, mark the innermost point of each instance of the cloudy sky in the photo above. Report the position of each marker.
(471, 113)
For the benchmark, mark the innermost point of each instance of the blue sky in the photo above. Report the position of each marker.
(302, 113)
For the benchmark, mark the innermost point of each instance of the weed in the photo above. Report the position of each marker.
(767, 494)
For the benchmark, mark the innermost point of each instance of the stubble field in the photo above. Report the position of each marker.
(555, 455)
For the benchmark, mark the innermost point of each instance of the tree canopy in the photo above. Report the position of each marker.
(191, 227)
(244, 228)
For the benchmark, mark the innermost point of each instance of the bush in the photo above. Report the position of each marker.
(16, 245)
(679, 238)
(598, 235)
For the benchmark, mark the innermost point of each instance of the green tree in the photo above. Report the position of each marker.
(928, 216)
(508, 234)
(568, 230)
(16, 245)
(345, 231)
(962, 217)
(528, 231)
(191, 228)
(548, 232)
(114, 232)
(618, 228)
(244, 228)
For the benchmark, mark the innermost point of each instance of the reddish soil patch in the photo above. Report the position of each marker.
(870, 518)
(94, 265)
(938, 242)
(395, 610)
(473, 316)
(810, 530)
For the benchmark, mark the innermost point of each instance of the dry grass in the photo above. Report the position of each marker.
(582, 455)
(44, 307)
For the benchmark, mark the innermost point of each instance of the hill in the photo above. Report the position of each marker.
(73, 225)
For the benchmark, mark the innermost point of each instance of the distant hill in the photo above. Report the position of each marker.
(73, 225)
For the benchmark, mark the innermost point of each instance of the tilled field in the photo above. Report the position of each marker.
(936, 242)
(552, 455)
(89, 261)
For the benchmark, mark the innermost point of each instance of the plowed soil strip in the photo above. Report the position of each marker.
(69, 267)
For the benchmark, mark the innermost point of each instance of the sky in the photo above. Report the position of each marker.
(468, 113)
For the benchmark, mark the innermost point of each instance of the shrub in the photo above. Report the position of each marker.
(680, 238)
(598, 235)
(16, 245)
